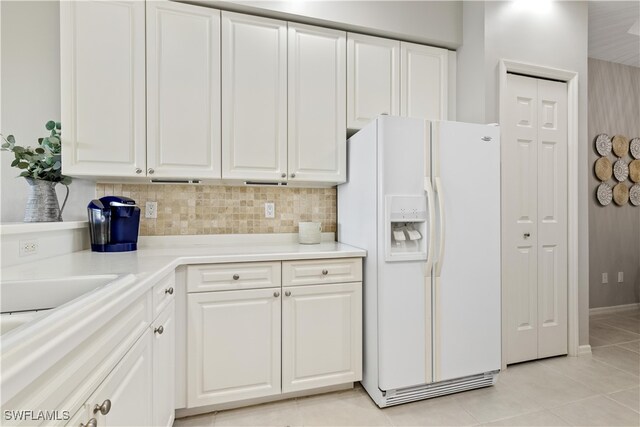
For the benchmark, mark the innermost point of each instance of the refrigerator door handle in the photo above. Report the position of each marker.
(442, 228)
(432, 225)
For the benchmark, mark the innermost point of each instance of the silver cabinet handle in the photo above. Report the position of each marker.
(276, 294)
(293, 175)
(287, 293)
(527, 235)
(150, 171)
(236, 277)
(138, 171)
(159, 330)
(103, 409)
(284, 175)
(169, 291)
(325, 272)
(91, 423)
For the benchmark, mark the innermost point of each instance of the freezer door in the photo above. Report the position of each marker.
(466, 283)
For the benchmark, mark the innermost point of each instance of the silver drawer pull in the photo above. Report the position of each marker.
(325, 272)
(276, 294)
(91, 423)
(169, 291)
(236, 277)
(103, 409)
(287, 293)
(159, 330)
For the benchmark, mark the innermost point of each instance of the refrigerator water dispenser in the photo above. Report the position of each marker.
(406, 228)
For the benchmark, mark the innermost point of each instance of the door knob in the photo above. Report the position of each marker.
(287, 293)
(150, 171)
(276, 294)
(236, 277)
(138, 171)
(91, 423)
(104, 408)
(284, 175)
(159, 330)
(169, 291)
(527, 235)
(325, 272)
(293, 175)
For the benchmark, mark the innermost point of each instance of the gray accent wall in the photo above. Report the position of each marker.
(614, 231)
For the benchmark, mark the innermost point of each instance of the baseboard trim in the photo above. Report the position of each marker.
(614, 309)
(584, 350)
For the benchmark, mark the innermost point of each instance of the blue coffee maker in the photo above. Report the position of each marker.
(113, 224)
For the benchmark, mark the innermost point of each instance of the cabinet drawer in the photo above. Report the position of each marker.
(224, 277)
(163, 293)
(316, 272)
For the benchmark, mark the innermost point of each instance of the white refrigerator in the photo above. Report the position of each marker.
(423, 198)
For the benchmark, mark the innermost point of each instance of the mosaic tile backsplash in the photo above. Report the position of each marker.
(212, 209)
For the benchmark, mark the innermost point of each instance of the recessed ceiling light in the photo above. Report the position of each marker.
(534, 6)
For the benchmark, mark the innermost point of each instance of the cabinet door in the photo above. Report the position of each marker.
(254, 98)
(102, 45)
(183, 90)
(317, 104)
(128, 388)
(423, 91)
(164, 367)
(233, 342)
(321, 336)
(373, 78)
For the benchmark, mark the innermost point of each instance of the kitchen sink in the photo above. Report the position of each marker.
(25, 300)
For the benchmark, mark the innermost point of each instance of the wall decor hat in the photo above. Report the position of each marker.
(620, 145)
(634, 195)
(634, 171)
(604, 194)
(603, 144)
(603, 169)
(634, 146)
(621, 194)
(621, 170)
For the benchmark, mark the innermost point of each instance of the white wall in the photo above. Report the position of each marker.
(30, 81)
(438, 23)
(556, 37)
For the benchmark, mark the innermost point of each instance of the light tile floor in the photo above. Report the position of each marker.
(602, 389)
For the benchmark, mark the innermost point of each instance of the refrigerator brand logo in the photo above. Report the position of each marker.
(486, 139)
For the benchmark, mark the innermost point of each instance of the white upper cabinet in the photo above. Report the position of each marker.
(254, 98)
(183, 90)
(102, 46)
(317, 104)
(423, 91)
(373, 78)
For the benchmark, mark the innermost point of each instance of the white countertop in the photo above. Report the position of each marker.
(26, 354)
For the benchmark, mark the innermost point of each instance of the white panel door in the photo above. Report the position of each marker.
(466, 296)
(552, 218)
(128, 388)
(233, 343)
(102, 58)
(183, 90)
(317, 125)
(254, 98)
(534, 212)
(423, 91)
(520, 218)
(373, 78)
(321, 336)
(164, 367)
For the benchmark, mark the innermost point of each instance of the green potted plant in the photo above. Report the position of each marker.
(42, 168)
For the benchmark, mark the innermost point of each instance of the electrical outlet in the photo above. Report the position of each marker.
(28, 247)
(151, 210)
(620, 277)
(269, 210)
(605, 278)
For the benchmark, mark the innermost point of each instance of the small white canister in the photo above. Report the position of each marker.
(309, 233)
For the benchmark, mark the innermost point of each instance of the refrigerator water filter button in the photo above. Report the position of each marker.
(414, 235)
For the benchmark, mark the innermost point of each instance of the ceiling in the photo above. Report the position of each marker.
(609, 36)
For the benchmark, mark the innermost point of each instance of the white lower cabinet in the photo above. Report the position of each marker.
(321, 336)
(244, 344)
(233, 345)
(164, 366)
(125, 397)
